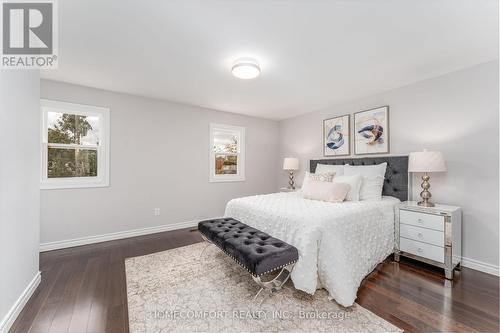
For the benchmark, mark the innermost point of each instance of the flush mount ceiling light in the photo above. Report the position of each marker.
(245, 68)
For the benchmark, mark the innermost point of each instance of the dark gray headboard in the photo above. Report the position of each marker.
(396, 175)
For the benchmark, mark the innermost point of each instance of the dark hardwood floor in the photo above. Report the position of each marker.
(83, 290)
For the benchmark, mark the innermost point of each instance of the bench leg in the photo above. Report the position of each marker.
(208, 244)
(258, 293)
(272, 285)
(276, 283)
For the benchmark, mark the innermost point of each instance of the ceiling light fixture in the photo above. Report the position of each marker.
(245, 69)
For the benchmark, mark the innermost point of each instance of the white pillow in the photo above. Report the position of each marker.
(354, 183)
(325, 191)
(326, 168)
(372, 179)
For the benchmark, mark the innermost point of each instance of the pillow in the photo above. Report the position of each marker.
(323, 177)
(326, 168)
(354, 183)
(372, 179)
(325, 191)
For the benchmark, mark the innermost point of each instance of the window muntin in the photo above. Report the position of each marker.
(227, 156)
(74, 145)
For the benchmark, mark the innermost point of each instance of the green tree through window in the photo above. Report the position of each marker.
(69, 129)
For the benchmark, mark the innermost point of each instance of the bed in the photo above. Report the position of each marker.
(338, 243)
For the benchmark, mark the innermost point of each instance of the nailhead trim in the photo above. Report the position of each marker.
(275, 269)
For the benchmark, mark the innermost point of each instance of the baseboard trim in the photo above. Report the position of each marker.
(115, 235)
(18, 306)
(480, 266)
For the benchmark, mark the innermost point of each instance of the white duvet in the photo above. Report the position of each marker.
(338, 243)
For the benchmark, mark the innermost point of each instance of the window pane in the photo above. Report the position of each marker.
(72, 129)
(226, 165)
(225, 142)
(64, 162)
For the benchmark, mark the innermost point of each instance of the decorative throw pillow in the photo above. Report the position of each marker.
(354, 183)
(326, 168)
(325, 177)
(322, 177)
(372, 179)
(325, 191)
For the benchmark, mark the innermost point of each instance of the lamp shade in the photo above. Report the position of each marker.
(291, 163)
(426, 161)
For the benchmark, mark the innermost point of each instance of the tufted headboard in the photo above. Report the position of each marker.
(396, 175)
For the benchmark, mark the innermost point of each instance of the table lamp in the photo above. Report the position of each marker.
(291, 164)
(426, 162)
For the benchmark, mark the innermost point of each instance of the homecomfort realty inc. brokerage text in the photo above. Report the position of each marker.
(245, 314)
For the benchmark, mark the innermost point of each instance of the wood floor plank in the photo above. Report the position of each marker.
(83, 289)
(428, 320)
(438, 298)
(83, 304)
(418, 293)
(116, 321)
(33, 306)
(66, 306)
(99, 310)
(49, 307)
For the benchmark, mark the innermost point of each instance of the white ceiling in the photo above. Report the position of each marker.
(312, 53)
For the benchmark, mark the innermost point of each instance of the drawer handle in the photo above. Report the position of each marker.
(420, 235)
(420, 250)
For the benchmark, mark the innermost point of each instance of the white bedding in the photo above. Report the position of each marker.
(338, 243)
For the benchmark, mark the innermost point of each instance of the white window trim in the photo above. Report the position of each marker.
(240, 176)
(102, 179)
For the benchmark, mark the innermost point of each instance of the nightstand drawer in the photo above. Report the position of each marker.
(422, 234)
(430, 221)
(425, 250)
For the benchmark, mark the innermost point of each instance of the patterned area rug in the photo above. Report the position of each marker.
(180, 291)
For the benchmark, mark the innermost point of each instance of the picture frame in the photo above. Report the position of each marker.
(337, 136)
(371, 131)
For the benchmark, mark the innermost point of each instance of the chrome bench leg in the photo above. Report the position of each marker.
(273, 285)
(208, 244)
(258, 293)
(276, 283)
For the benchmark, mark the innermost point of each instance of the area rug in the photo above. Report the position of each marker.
(199, 289)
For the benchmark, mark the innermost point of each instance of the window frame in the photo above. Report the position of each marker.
(240, 175)
(102, 179)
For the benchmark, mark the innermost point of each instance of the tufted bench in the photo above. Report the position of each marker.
(254, 250)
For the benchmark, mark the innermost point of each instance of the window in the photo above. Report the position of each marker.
(227, 153)
(75, 145)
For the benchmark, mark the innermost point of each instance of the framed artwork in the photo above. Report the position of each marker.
(336, 136)
(371, 131)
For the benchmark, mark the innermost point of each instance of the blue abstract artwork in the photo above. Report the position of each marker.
(371, 130)
(336, 136)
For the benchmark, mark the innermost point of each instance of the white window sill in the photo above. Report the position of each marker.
(223, 180)
(66, 185)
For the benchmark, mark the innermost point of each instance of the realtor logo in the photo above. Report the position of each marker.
(29, 34)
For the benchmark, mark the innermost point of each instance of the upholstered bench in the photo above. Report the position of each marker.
(254, 250)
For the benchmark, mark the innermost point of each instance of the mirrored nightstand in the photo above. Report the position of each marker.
(429, 234)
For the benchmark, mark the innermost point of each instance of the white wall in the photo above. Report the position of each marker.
(159, 158)
(19, 187)
(457, 114)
